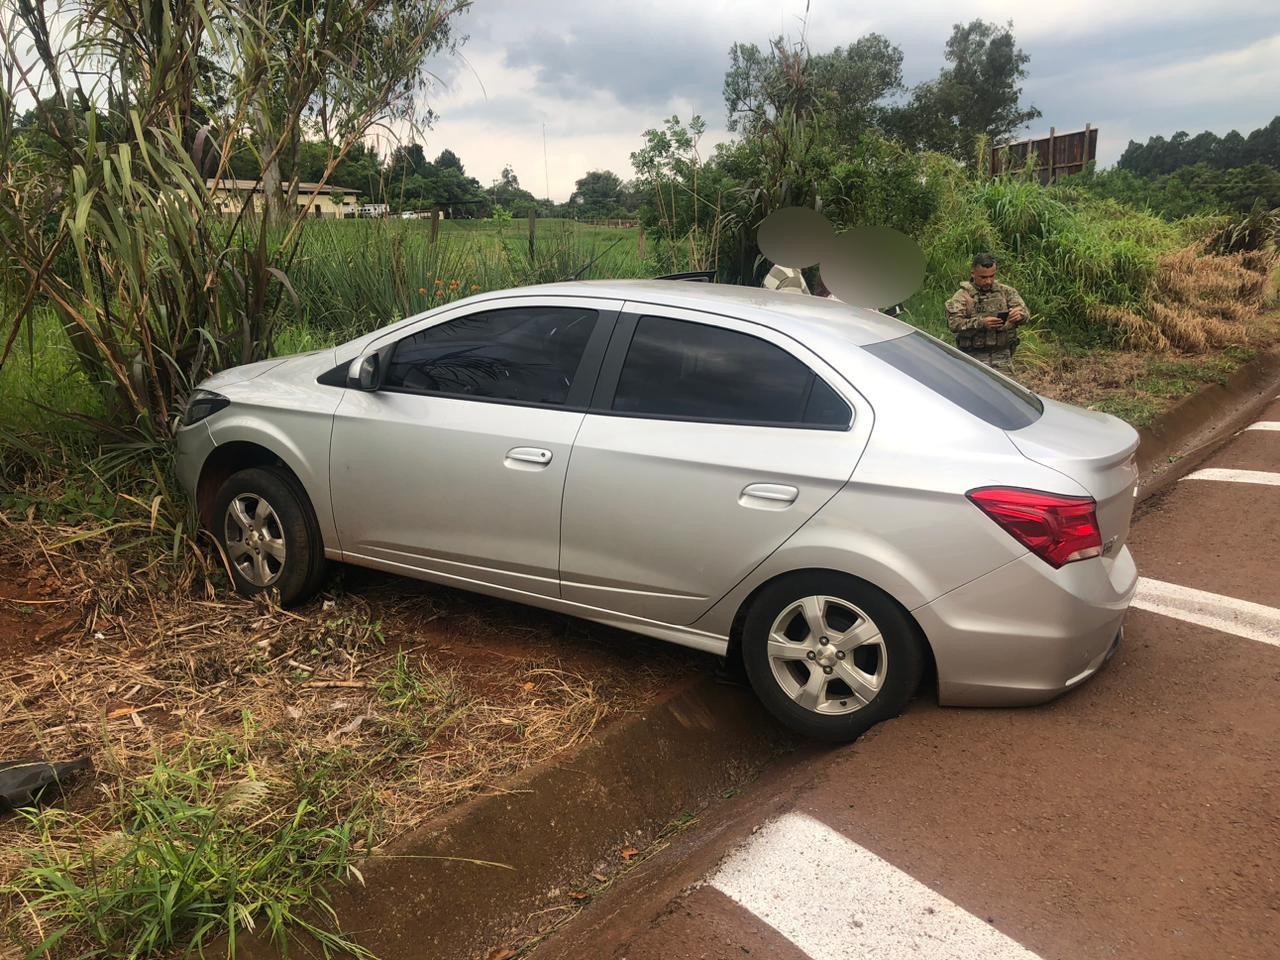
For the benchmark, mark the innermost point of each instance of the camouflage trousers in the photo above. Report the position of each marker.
(1001, 358)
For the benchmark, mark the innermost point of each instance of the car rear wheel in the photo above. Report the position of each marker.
(267, 529)
(830, 655)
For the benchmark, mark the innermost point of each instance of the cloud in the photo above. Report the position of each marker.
(638, 69)
(598, 74)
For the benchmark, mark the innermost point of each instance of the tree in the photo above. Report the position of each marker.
(1160, 156)
(598, 195)
(510, 196)
(979, 94)
(845, 87)
(408, 159)
(377, 45)
(682, 195)
(448, 160)
(155, 288)
(853, 83)
(359, 169)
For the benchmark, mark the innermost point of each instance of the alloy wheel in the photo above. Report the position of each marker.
(254, 539)
(827, 655)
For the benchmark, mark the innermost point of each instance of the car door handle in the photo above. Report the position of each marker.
(773, 492)
(536, 455)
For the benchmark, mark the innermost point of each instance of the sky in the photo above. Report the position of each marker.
(595, 74)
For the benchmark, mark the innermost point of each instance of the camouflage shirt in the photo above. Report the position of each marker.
(969, 305)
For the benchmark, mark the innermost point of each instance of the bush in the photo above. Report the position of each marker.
(1095, 272)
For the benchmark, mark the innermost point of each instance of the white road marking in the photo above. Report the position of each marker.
(835, 900)
(1264, 425)
(1236, 476)
(1253, 621)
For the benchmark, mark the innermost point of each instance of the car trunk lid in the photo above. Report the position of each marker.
(1097, 451)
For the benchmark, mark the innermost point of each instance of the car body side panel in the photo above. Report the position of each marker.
(192, 446)
(465, 579)
(902, 522)
(658, 517)
(428, 482)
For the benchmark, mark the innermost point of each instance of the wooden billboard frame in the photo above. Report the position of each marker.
(1058, 154)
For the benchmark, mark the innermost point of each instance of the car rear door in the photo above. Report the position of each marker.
(710, 441)
(455, 467)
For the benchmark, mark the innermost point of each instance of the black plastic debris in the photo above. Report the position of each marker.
(25, 782)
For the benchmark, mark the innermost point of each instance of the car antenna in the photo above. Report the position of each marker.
(590, 263)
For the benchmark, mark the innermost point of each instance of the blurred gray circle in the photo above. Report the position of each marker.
(795, 236)
(873, 267)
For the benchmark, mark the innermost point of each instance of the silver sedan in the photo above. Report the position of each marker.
(839, 500)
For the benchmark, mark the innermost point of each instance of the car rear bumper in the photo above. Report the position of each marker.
(1025, 633)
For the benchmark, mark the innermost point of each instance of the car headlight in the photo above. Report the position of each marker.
(201, 404)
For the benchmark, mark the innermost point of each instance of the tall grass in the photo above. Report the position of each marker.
(1094, 272)
(356, 275)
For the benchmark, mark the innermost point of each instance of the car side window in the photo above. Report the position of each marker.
(522, 354)
(694, 371)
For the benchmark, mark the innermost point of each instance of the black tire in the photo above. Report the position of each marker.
(288, 518)
(901, 649)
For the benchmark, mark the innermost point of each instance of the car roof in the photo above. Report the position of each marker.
(804, 317)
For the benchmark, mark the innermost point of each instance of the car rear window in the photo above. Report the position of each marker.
(969, 384)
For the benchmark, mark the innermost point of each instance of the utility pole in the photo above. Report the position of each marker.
(546, 170)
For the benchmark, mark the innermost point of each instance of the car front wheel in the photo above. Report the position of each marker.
(268, 532)
(830, 655)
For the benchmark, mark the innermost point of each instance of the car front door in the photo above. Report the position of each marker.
(455, 466)
(710, 441)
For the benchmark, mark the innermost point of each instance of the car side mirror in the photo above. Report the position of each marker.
(365, 372)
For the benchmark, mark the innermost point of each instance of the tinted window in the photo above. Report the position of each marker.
(964, 381)
(528, 354)
(691, 370)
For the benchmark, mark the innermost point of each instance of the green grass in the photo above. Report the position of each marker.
(349, 277)
(1139, 410)
(198, 848)
(354, 276)
(1065, 254)
(1166, 381)
(42, 377)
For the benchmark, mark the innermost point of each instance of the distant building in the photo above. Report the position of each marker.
(331, 203)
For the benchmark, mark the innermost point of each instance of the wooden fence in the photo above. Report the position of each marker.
(1057, 155)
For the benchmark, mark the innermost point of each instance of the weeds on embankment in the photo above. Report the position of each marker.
(245, 757)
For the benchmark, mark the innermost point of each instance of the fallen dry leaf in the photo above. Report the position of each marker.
(628, 853)
(528, 686)
(601, 877)
(500, 953)
(579, 895)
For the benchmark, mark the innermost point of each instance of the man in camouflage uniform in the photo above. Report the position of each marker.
(985, 315)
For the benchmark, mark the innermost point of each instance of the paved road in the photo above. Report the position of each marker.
(1136, 818)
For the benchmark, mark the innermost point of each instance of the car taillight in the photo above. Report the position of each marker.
(1057, 529)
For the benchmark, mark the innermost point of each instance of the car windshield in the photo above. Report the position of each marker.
(966, 382)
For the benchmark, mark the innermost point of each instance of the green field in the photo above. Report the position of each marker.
(355, 275)
(348, 277)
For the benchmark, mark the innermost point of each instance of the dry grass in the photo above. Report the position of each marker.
(1199, 301)
(373, 730)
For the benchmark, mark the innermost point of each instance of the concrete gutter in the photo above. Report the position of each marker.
(557, 823)
(1189, 432)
